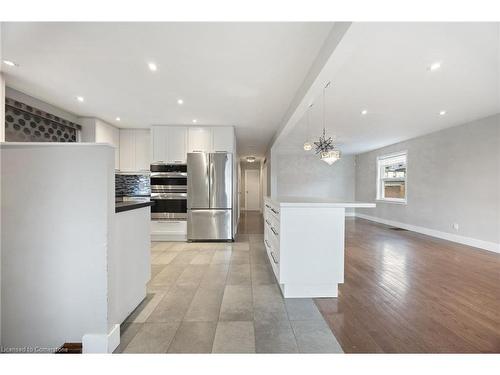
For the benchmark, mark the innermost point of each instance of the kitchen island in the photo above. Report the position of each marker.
(304, 240)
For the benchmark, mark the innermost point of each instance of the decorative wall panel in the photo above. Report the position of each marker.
(24, 123)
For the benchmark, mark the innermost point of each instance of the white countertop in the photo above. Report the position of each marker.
(317, 202)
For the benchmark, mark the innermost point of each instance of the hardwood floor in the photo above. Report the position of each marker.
(409, 293)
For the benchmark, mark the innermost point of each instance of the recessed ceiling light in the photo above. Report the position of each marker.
(195, 121)
(442, 113)
(80, 99)
(250, 159)
(9, 63)
(152, 66)
(180, 101)
(435, 66)
(364, 112)
(118, 119)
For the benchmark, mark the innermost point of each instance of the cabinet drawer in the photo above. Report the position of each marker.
(272, 210)
(272, 244)
(273, 229)
(168, 227)
(274, 258)
(270, 221)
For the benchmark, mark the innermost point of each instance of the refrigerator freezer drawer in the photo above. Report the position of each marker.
(209, 225)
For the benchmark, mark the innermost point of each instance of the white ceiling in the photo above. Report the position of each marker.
(241, 74)
(382, 67)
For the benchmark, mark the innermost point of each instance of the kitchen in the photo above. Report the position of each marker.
(191, 170)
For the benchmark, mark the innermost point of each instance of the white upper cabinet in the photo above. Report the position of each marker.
(159, 142)
(142, 149)
(127, 150)
(171, 144)
(176, 144)
(200, 139)
(223, 139)
(135, 150)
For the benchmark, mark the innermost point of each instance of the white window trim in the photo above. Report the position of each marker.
(378, 197)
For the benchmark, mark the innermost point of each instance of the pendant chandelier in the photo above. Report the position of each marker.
(325, 147)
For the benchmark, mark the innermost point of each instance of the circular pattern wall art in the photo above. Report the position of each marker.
(24, 123)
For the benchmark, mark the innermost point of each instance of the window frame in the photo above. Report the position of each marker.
(379, 185)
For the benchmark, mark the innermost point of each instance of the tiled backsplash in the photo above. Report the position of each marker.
(128, 185)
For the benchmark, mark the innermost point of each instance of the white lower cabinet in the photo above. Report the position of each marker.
(305, 247)
(168, 230)
(272, 239)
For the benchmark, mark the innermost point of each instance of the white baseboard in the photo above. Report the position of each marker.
(101, 343)
(485, 245)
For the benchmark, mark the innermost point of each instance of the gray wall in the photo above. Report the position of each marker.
(267, 193)
(307, 176)
(453, 177)
(244, 166)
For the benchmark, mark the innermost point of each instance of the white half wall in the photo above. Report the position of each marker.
(96, 130)
(307, 176)
(453, 177)
(57, 211)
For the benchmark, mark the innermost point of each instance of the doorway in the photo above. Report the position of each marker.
(252, 190)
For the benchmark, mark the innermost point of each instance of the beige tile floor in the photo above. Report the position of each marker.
(221, 298)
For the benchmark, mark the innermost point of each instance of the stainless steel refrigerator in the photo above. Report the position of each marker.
(210, 196)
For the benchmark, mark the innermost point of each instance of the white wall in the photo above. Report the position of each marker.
(263, 182)
(96, 130)
(453, 177)
(307, 176)
(57, 204)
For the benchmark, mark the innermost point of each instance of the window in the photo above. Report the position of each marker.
(391, 177)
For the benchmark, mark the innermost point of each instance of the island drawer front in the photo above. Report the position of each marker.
(272, 210)
(270, 240)
(273, 229)
(274, 258)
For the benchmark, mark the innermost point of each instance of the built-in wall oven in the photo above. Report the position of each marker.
(169, 191)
